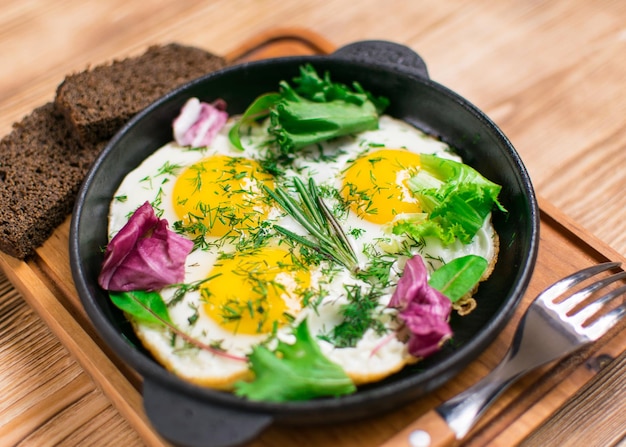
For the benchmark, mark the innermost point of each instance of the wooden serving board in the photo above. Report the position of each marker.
(45, 282)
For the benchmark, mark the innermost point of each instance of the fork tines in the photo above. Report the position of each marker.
(579, 307)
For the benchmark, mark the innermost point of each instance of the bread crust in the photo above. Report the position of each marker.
(97, 102)
(41, 169)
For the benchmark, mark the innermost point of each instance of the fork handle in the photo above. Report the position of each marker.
(430, 430)
(460, 412)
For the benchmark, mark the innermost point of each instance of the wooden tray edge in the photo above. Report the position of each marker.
(570, 226)
(123, 395)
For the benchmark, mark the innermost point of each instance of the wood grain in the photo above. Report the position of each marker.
(47, 398)
(570, 421)
(551, 74)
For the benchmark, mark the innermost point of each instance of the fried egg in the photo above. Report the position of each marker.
(220, 194)
(247, 284)
(375, 185)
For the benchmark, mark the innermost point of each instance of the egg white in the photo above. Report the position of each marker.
(375, 356)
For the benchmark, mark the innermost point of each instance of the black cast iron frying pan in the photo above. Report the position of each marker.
(189, 415)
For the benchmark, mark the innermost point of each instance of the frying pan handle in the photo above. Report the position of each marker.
(189, 422)
(388, 54)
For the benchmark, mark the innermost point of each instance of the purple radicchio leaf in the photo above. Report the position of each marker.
(199, 122)
(144, 255)
(424, 310)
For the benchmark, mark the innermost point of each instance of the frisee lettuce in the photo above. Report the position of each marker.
(455, 199)
(312, 110)
(298, 371)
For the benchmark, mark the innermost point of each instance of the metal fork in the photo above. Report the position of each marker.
(549, 329)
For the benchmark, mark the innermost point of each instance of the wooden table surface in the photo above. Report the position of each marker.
(551, 74)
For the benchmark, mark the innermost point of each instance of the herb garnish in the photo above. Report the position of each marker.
(312, 213)
(357, 317)
(182, 289)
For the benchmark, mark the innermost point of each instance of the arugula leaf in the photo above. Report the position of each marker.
(149, 308)
(456, 198)
(146, 307)
(294, 372)
(312, 110)
(419, 226)
(310, 86)
(458, 277)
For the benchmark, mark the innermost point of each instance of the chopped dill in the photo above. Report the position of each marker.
(182, 289)
(194, 316)
(157, 202)
(168, 169)
(313, 297)
(358, 317)
(356, 232)
(377, 272)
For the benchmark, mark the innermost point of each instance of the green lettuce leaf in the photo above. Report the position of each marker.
(294, 372)
(312, 110)
(145, 307)
(310, 86)
(418, 226)
(298, 122)
(459, 276)
(456, 198)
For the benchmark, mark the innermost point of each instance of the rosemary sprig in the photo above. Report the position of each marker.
(312, 213)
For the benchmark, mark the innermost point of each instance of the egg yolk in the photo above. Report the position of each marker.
(375, 185)
(255, 292)
(221, 193)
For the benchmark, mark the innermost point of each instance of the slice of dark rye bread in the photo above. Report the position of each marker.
(41, 169)
(43, 162)
(97, 102)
